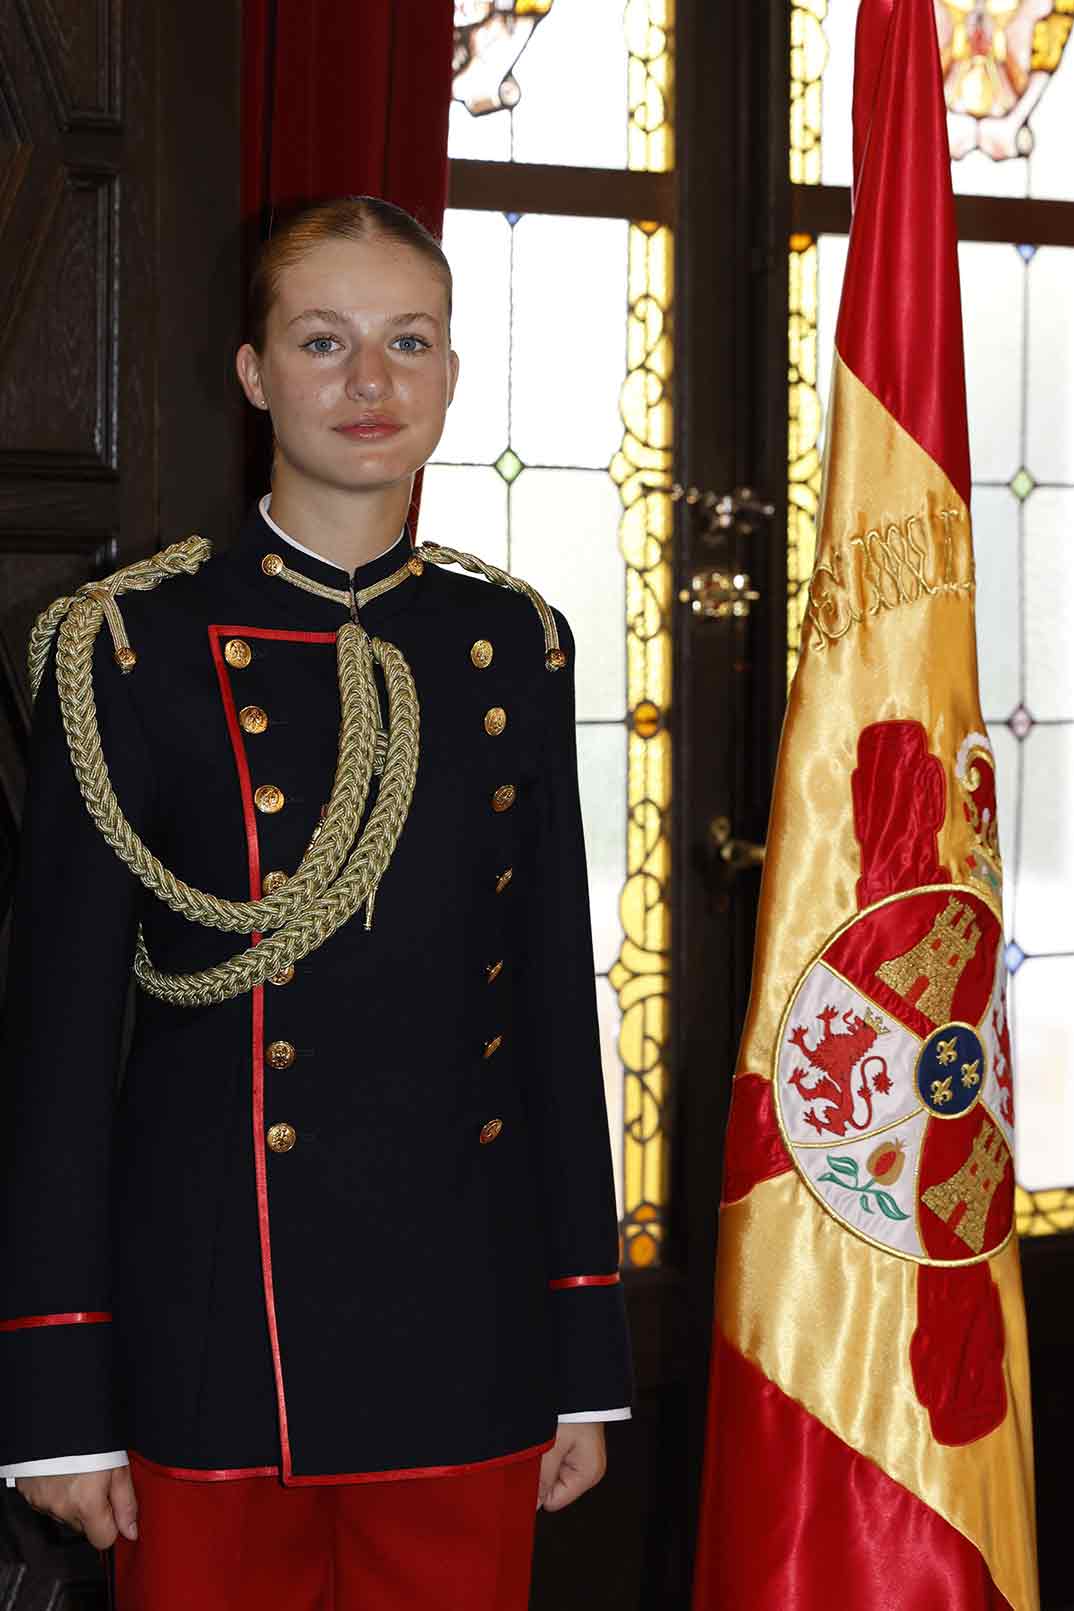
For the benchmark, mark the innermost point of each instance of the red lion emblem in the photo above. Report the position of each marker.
(833, 1061)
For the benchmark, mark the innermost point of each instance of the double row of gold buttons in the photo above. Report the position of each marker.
(269, 799)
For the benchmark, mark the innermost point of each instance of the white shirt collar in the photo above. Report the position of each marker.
(264, 506)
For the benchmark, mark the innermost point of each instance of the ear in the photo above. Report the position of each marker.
(248, 368)
(453, 377)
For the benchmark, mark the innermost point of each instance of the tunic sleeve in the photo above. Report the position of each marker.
(565, 1086)
(76, 914)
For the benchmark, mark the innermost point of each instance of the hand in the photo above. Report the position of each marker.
(575, 1462)
(100, 1504)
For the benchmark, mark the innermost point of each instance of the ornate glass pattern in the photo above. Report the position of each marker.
(997, 59)
(490, 36)
(809, 56)
(1008, 66)
(537, 492)
(642, 469)
(803, 442)
(1019, 343)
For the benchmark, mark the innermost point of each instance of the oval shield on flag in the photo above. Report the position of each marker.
(893, 1077)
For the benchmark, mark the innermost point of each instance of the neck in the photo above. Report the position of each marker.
(345, 527)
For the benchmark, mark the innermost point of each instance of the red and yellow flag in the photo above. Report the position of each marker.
(869, 1435)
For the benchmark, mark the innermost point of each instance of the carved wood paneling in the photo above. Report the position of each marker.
(78, 44)
(58, 359)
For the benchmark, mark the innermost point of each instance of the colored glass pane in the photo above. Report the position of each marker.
(1049, 606)
(568, 340)
(1041, 993)
(1009, 83)
(479, 246)
(1049, 396)
(465, 506)
(999, 634)
(566, 91)
(563, 540)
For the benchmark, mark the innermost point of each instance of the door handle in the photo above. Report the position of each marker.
(736, 855)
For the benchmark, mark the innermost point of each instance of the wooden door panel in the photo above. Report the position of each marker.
(62, 317)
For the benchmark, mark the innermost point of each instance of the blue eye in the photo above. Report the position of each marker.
(417, 343)
(322, 346)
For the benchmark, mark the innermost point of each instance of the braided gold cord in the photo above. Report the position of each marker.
(315, 901)
(181, 559)
(358, 697)
(356, 886)
(342, 867)
(439, 555)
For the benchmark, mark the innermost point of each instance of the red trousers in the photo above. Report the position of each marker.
(456, 1543)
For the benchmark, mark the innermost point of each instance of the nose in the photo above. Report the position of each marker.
(369, 378)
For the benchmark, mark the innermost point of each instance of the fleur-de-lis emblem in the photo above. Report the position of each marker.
(971, 1073)
(941, 1091)
(946, 1050)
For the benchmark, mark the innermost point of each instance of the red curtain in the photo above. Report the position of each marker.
(346, 97)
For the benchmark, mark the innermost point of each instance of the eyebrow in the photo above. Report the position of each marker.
(330, 316)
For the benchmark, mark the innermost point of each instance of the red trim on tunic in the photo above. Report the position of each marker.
(257, 1014)
(78, 1317)
(584, 1281)
(196, 1474)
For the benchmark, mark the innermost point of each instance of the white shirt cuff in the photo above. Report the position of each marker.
(64, 1465)
(597, 1415)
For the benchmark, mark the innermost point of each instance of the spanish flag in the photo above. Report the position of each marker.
(869, 1444)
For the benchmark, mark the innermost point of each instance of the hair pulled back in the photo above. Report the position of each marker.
(347, 218)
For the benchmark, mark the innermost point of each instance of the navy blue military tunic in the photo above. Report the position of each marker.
(360, 1220)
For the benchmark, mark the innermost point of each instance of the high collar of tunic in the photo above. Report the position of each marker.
(258, 538)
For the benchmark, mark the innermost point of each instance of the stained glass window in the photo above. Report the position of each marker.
(570, 100)
(554, 463)
(1009, 77)
(1019, 339)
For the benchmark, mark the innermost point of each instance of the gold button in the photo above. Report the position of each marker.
(504, 879)
(481, 654)
(502, 800)
(492, 1046)
(415, 565)
(280, 1054)
(284, 976)
(556, 659)
(237, 653)
(282, 1137)
(269, 798)
(272, 882)
(489, 1131)
(493, 971)
(495, 721)
(126, 659)
(272, 564)
(252, 719)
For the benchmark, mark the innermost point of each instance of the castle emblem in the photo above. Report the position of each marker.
(929, 972)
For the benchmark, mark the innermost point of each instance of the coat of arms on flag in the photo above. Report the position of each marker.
(893, 1075)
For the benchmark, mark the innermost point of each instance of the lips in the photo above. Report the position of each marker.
(369, 430)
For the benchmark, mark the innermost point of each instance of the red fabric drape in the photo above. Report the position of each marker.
(346, 97)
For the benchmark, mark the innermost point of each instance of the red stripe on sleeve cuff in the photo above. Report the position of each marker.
(584, 1281)
(81, 1317)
